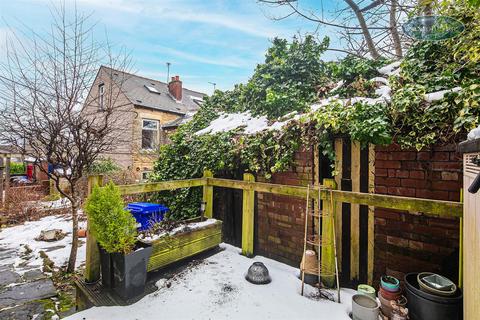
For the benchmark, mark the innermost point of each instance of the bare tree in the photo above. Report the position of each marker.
(367, 27)
(44, 86)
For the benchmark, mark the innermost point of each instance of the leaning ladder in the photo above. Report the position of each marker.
(317, 241)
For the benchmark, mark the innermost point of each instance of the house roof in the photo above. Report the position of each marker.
(135, 88)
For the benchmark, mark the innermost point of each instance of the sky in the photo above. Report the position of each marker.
(206, 41)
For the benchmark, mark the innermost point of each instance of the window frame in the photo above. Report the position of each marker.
(145, 172)
(157, 130)
(101, 96)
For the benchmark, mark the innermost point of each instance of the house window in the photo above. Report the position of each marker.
(101, 94)
(146, 175)
(149, 134)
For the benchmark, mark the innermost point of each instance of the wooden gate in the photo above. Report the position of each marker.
(354, 168)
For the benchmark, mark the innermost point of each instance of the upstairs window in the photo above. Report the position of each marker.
(101, 94)
(150, 134)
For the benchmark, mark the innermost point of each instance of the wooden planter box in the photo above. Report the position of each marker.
(169, 249)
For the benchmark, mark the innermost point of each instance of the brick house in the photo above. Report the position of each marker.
(147, 111)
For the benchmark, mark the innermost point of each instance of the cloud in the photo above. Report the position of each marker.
(253, 23)
(230, 61)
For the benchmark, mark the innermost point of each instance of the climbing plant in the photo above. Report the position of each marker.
(293, 77)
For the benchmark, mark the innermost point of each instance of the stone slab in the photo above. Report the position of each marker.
(28, 291)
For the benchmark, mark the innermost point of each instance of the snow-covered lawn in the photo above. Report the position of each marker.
(15, 238)
(216, 289)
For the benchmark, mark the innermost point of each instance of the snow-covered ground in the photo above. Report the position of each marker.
(216, 289)
(15, 238)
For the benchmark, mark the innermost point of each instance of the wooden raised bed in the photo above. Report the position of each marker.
(169, 249)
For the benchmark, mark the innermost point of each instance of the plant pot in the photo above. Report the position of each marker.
(425, 306)
(130, 272)
(364, 307)
(389, 295)
(106, 268)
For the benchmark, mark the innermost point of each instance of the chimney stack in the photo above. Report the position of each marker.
(175, 88)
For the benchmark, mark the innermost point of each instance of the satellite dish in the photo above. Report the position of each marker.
(433, 28)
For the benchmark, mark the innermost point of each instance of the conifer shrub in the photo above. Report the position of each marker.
(112, 225)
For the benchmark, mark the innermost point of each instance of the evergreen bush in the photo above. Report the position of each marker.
(112, 225)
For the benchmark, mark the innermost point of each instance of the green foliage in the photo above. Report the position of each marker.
(433, 66)
(103, 166)
(17, 168)
(113, 226)
(293, 77)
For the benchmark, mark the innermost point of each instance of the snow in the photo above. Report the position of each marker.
(227, 122)
(474, 134)
(216, 289)
(338, 85)
(179, 229)
(381, 80)
(390, 69)
(438, 95)
(16, 237)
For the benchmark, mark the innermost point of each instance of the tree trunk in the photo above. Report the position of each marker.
(397, 44)
(366, 32)
(73, 251)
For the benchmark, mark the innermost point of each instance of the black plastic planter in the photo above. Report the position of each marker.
(130, 272)
(106, 268)
(425, 306)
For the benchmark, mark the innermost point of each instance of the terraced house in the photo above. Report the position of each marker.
(147, 111)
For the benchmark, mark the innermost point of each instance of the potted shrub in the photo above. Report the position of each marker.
(123, 260)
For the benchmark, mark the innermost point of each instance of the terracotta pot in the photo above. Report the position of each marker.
(390, 295)
(82, 233)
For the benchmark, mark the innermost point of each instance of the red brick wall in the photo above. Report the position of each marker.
(280, 225)
(406, 242)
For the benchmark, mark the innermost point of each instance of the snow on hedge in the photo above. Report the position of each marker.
(390, 69)
(439, 95)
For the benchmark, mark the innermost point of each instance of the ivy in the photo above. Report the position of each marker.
(293, 77)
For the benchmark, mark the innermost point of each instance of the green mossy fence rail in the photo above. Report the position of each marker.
(436, 208)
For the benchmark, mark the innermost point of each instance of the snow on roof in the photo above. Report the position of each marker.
(474, 134)
(438, 95)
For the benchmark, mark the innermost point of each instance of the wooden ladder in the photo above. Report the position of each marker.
(318, 241)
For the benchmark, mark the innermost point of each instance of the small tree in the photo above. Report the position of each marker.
(45, 84)
(113, 226)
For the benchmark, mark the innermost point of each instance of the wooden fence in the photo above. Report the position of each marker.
(249, 187)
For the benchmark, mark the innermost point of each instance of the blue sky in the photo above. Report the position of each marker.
(206, 41)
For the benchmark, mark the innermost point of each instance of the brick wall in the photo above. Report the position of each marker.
(406, 242)
(280, 219)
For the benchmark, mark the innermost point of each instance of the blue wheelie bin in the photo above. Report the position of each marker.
(147, 214)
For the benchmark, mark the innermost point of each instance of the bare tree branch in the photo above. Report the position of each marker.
(44, 90)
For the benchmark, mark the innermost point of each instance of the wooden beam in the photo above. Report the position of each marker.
(338, 205)
(355, 214)
(160, 186)
(371, 214)
(92, 262)
(428, 207)
(248, 217)
(208, 195)
(328, 255)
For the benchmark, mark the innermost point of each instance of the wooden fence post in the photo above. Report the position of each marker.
(248, 212)
(328, 253)
(92, 262)
(208, 195)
